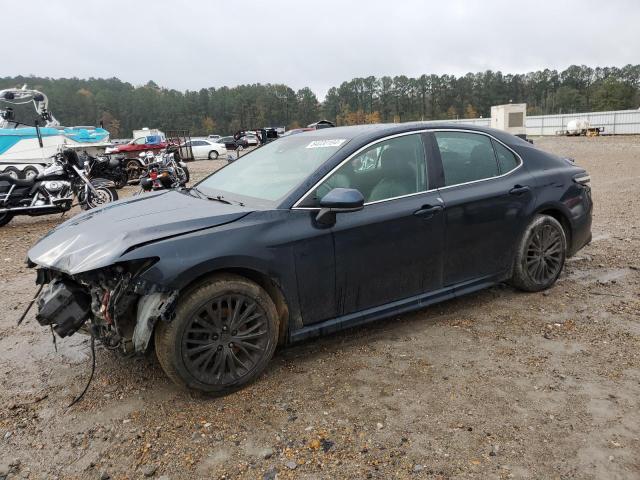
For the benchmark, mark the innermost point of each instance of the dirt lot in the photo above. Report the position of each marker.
(499, 384)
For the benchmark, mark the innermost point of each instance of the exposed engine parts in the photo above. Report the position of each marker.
(110, 304)
(64, 305)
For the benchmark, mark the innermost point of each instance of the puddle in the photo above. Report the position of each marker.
(600, 275)
(600, 236)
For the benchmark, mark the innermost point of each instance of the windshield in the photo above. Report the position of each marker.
(272, 171)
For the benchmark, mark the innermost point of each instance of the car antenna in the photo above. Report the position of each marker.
(93, 370)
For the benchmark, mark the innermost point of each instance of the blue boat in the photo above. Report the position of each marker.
(27, 144)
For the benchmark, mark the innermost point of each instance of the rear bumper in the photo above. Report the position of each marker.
(581, 237)
(581, 225)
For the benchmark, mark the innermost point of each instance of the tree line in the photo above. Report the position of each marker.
(122, 107)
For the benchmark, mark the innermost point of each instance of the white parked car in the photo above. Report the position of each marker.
(203, 149)
(251, 139)
(214, 138)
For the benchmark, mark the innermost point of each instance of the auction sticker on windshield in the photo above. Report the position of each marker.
(326, 143)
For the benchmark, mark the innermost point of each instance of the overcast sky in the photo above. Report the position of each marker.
(191, 44)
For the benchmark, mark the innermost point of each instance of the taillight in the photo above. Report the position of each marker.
(582, 179)
(153, 174)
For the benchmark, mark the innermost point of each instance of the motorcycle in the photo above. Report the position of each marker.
(53, 190)
(164, 171)
(111, 167)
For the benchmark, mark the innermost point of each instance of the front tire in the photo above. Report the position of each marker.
(102, 196)
(223, 335)
(122, 180)
(213, 155)
(540, 256)
(183, 177)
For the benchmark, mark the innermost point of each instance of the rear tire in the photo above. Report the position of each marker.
(134, 170)
(213, 155)
(540, 256)
(5, 218)
(223, 335)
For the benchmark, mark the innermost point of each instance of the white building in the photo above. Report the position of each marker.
(511, 118)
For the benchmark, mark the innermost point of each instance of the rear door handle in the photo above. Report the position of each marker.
(428, 211)
(519, 190)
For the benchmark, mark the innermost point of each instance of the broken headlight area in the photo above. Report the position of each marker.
(113, 304)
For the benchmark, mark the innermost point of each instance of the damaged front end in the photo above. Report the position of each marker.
(113, 304)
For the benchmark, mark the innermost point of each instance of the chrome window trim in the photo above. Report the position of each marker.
(413, 132)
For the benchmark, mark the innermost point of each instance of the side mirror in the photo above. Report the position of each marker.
(339, 200)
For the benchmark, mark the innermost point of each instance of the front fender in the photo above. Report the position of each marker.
(248, 245)
(235, 262)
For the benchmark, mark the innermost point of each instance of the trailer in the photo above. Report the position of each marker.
(577, 128)
(23, 170)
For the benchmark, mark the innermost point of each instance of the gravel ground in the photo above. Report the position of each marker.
(498, 384)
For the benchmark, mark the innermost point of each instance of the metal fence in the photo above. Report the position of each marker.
(620, 122)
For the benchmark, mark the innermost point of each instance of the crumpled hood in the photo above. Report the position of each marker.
(99, 238)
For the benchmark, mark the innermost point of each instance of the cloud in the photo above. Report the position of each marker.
(196, 44)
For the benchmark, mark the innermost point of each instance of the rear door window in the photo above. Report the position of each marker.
(466, 157)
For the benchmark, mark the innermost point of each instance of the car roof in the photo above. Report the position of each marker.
(367, 133)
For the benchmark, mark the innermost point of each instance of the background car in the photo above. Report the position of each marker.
(214, 138)
(231, 144)
(140, 144)
(296, 131)
(206, 149)
(250, 139)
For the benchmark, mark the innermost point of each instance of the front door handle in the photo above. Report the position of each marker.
(428, 211)
(519, 190)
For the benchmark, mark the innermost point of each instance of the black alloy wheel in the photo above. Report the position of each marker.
(223, 335)
(545, 253)
(225, 339)
(540, 255)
